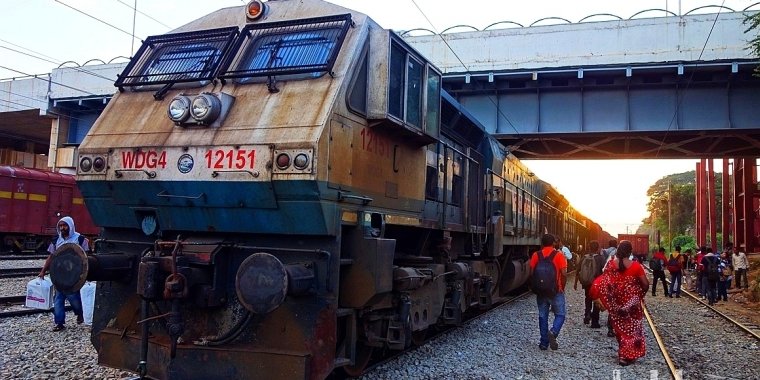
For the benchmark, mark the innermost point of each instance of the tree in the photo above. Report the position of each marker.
(672, 209)
(753, 21)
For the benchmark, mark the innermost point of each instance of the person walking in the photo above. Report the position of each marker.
(66, 234)
(710, 276)
(657, 265)
(740, 264)
(548, 267)
(590, 268)
(675, 267)
(621, 289)
(611, 249)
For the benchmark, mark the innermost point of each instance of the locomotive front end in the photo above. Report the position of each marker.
(218, 252)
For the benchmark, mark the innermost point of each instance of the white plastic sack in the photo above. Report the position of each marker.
(88, 301)
(40, 293)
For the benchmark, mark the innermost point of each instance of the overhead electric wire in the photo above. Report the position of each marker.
(48, 80)
(24, 96)
(97, 19)
(688, 82)
(144, 14)
(51, 61)
(463, 65)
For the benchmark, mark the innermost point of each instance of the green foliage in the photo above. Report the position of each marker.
(753, 20)
(672, 209)
(686, 242)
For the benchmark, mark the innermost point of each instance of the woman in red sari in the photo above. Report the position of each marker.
(621, 289)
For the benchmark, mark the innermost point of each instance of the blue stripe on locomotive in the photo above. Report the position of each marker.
(279, 207)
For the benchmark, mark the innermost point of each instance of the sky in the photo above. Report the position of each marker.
(58, 32)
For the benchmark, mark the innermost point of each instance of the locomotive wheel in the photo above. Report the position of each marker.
(363, 355)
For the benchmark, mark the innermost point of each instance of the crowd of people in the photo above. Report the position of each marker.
(614, 280)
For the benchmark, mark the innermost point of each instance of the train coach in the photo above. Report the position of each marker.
(285, 190)
(31, 203)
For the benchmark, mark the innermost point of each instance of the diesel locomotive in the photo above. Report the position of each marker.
(285, 189)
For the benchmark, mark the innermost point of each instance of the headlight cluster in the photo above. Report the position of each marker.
(293, 160)
(202, 109)
(92, 164)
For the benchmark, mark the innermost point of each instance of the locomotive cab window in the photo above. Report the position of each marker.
(191, 58)
(413, 90)
(297, 49)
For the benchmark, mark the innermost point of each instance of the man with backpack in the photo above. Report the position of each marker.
(548, 269)
(657, 265)
(711, 275)
(675, 267)
(590, 268)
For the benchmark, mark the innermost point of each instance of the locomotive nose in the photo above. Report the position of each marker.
(68, 268)
(261, 283)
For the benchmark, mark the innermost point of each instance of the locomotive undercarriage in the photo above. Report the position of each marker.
(429, 291)
(201, 300)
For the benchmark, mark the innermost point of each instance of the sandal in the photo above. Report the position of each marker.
(625, 362)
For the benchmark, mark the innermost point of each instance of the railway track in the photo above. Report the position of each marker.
(677, 363)
(15, 302)
(22, 257)
(19, 272)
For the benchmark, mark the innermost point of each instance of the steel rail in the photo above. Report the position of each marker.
(19, 272)
(674, 372)
(23, 257)
(738, 324)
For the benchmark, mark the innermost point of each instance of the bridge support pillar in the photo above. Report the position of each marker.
(746, 204)
(725, 220)
(712, 220)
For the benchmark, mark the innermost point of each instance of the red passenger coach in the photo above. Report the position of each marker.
(31, 203)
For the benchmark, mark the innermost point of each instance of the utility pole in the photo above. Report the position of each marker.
(670, 237)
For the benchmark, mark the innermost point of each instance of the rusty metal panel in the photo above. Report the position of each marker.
(340, 156)
(370, 274)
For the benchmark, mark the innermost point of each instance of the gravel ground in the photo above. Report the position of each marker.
(701, 343)
(500, 345)
(504, 345)
(30, 350)
(8, 264)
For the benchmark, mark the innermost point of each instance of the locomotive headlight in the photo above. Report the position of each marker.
(301, 161)
(85, 164)
(205, 108)
(99, 163)
(283, 161)
(179, 109)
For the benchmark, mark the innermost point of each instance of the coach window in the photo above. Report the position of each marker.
(457, 183)
(433, 102)
(414, 92)
(431, 183)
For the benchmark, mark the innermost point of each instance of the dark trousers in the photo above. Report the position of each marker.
(590, 311)
(722, 289)
(711, 291)
(739, 274)
(659, 275)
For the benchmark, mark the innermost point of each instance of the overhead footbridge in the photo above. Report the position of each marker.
(643, 87)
